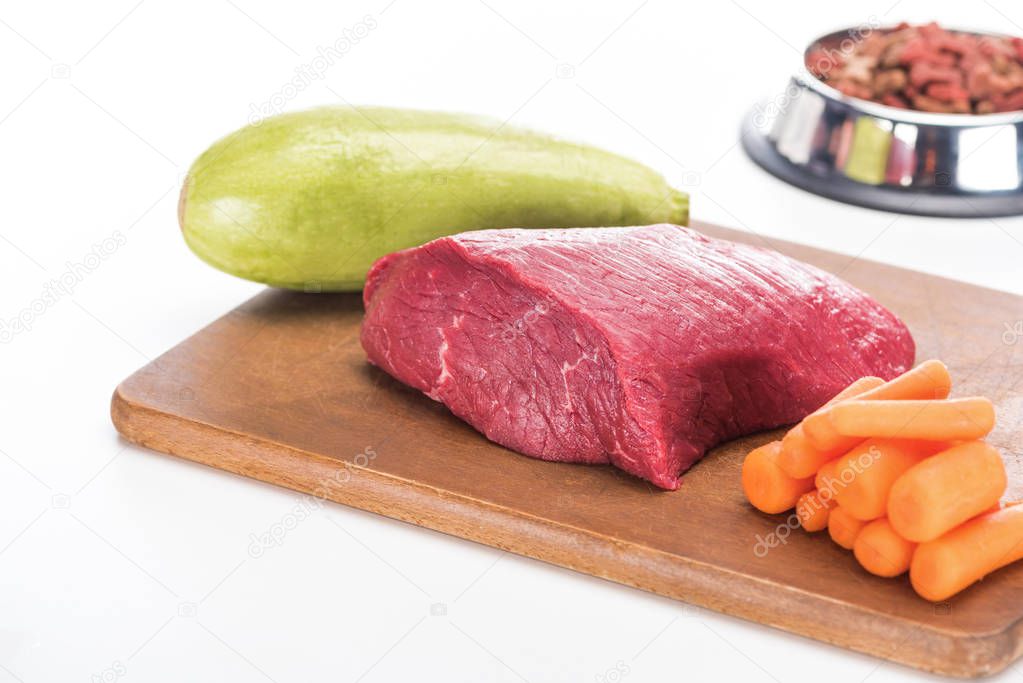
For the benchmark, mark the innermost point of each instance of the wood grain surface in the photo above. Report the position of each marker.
(279, 390)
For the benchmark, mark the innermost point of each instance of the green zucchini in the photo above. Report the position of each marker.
(310, 200)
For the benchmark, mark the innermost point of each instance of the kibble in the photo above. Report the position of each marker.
(926, 68)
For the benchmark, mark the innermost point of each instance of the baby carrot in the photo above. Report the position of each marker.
(843, 527)
(869, 470)
(881, 551)
(929, 380)
(798, 457)
(827, 480)
(860, 386)
(813, 511)
(766, 486)
(822, 435)
(948, 564)
(945, 490)
(960, 418)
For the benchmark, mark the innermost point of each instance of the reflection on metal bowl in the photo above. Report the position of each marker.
(882, 157)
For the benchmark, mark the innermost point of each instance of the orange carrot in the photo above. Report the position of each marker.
(860, 386)
(827, 481)
(843, 527)
(948, 564)
(813, 511)
(798, 457)
(929, 380)
(961, 418)
(881, 551)
(945, 490)
(767, 487)
(869, 470)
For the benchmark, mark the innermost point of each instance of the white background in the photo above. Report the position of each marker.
(116, 562)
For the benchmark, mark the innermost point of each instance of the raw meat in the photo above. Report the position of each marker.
(640, 347)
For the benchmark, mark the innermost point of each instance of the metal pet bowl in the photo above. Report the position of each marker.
(882, 157)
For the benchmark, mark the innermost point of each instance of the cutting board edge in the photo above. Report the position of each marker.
(730, 233)
(741, 595)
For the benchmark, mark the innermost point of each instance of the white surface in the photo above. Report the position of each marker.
(116, 562)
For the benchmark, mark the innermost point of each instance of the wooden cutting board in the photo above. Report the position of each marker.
(279, 390)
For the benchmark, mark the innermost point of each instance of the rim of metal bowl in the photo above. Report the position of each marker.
(922, 118)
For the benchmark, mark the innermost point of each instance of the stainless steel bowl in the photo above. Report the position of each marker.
(882, 157)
